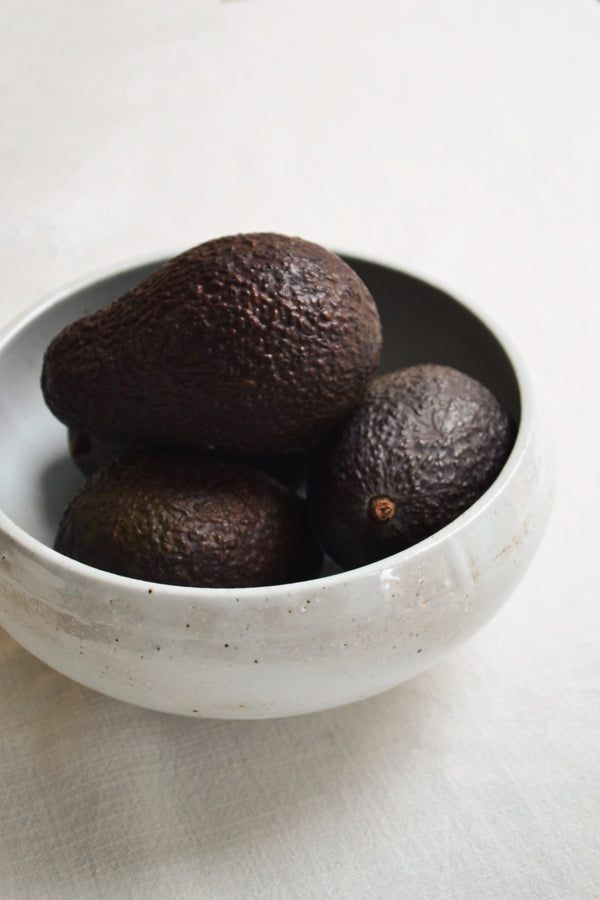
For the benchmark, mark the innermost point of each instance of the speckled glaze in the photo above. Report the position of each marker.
(276, 651)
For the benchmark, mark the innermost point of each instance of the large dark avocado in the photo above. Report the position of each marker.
(423, 445)
(178, 519)
(250, 345)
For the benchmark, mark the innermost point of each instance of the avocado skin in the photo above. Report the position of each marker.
(178, 519)
(249, 345)
(423, 445)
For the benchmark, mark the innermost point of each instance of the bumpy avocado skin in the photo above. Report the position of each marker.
(249, 345)
(423, 445)
(177, 519)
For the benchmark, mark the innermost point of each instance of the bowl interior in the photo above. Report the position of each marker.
(37, 478)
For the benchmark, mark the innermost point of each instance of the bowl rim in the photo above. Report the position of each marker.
(156, 591)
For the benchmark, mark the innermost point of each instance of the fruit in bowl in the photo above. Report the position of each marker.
(249, 345)
(425, 442)
(270, 329)
(181, 519)
(335, 636)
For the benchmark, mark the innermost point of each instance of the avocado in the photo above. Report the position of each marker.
(180, 519)
(250, 345)
(423, 445)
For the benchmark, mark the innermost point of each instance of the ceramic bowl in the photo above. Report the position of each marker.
(275, 651)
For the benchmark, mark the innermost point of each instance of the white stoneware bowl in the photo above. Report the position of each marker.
(275, 651)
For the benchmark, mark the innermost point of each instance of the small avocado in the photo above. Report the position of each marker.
(250, 345)
(423, 445)
(178, 519)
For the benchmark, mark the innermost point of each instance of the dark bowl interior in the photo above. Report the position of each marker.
(423, 324)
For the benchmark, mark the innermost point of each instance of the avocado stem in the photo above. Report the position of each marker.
(381, 508)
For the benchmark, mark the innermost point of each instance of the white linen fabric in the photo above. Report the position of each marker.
(459, 141)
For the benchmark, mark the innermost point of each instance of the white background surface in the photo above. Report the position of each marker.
(460, 141)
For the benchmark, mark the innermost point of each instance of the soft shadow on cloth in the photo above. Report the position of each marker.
(93, 786)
